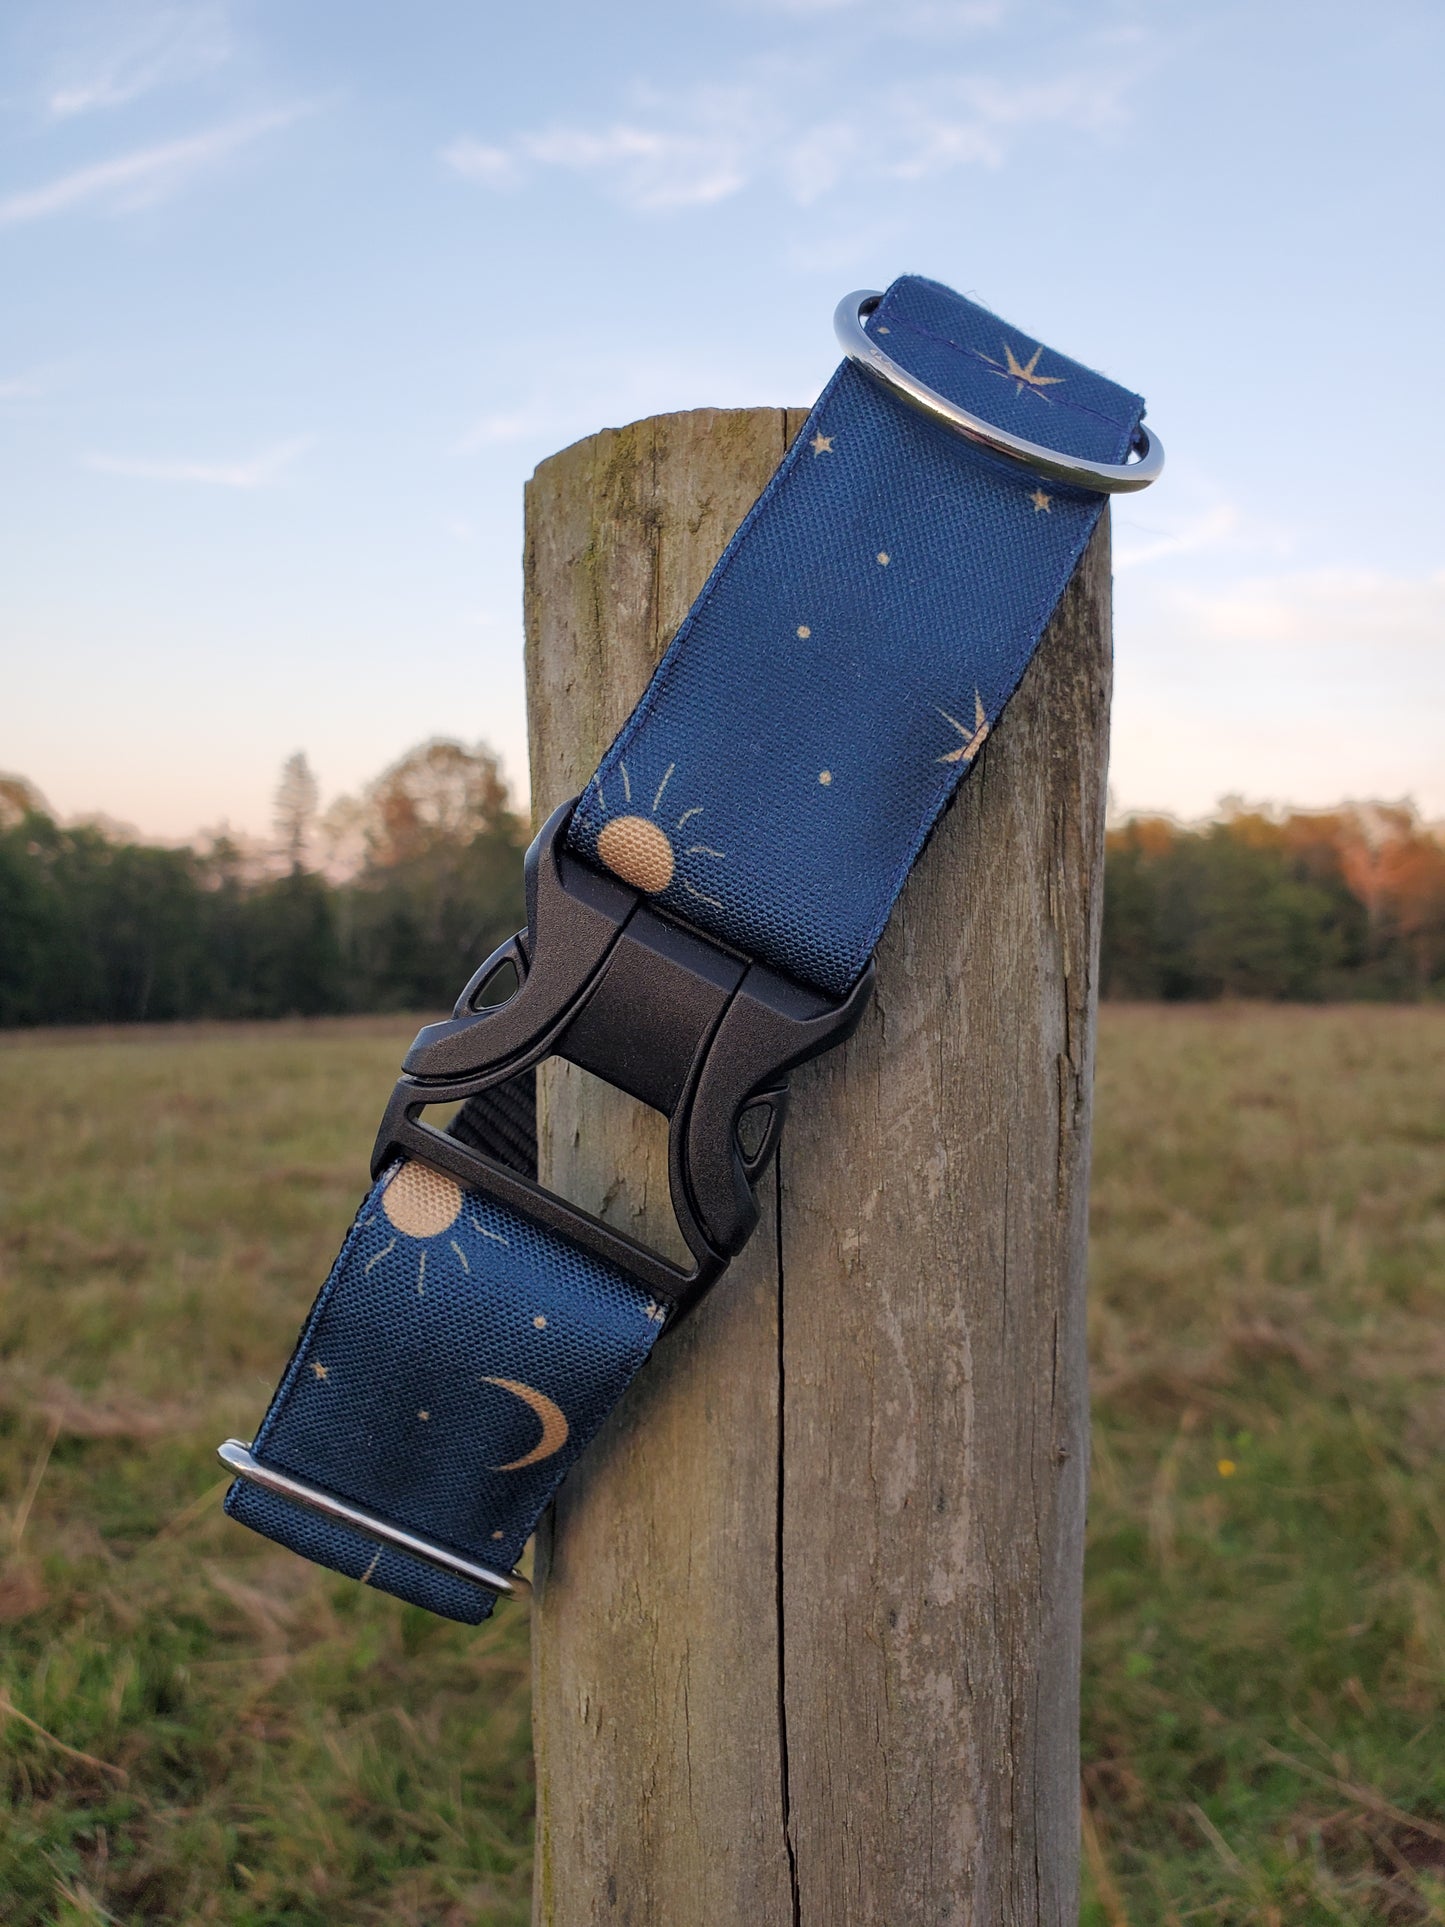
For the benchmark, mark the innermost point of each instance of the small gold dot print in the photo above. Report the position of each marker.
(423, 1414)
(804, 631)
(540, 1323)
(825, 777)
(884, 558)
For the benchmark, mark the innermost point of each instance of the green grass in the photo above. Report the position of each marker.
(292, 1748)
(205, 1729)
(1265, 1632)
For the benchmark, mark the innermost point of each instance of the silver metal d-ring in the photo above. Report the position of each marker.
(240, 1459)
(1109, 478)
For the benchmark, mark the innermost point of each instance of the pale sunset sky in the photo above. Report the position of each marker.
(296, 296)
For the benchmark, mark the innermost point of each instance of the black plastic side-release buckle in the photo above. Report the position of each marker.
(610, 983)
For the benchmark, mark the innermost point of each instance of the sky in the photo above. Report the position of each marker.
(296, 297)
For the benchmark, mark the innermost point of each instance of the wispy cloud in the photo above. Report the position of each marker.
(908, 16)
(476, 161)
(260, 471)
(147, 174)
(514, 425)
(166, 47)
(1357, 608)
(1305, 683)
(1203, 531)
(657, 165)
(710, 143)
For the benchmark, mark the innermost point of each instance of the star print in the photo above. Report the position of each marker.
(821, 444)
(1041, 501)
(321, 1371)
(1023, 374)
(973, 739)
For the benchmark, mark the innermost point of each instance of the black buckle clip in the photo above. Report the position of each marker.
(608, 982)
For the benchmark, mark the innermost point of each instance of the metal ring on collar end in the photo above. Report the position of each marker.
(1109, 478)
(238, 1457)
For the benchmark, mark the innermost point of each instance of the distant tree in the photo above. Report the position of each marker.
(297, 799)
(96, 930)
(295, 966)
(440, 884)
(1300, 904)
(421, 876)
(440, 795)
(19, 798)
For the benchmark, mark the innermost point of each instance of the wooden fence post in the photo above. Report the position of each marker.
(806, 1649)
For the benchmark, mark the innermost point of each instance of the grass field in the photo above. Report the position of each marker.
(201, 1728)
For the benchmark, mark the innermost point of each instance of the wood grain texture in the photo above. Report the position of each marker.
(806, 1644)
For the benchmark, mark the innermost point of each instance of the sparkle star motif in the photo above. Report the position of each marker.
(1041, 501)
(821, 444)
(321, 1371)
(973, 739)
(1023, 374)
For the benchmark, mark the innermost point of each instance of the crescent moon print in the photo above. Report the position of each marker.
(554, 1423)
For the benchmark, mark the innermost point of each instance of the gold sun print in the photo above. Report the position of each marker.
(639, 850)
(423, 1205)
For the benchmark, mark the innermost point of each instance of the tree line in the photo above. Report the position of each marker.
(1296, 904)
(386, 903)
(388, 900)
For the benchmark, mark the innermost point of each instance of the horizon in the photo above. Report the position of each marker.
(299, 301)
(257, 845)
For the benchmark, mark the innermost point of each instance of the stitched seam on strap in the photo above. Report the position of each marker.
(976, 354)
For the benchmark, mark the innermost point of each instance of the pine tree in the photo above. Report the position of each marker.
(297, 798)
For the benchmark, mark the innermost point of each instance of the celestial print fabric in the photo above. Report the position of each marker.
(454, 1366)
(834, 682)
(842, 667)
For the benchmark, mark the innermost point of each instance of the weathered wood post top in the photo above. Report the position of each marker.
(807, 1641)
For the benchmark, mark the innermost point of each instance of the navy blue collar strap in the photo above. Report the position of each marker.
(700, 921)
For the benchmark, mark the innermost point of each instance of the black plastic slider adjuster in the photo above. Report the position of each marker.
(612, 984)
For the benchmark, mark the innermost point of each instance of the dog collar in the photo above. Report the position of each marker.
(700, 920)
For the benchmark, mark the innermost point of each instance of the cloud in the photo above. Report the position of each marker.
(709, 143)
(476, 161)
(905, 16)
(1202, 531)
(145, 176)
(167, 47)
(261, 471)
(1323, 607)
(1309, 684)
(657, 166)
(515, 425)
